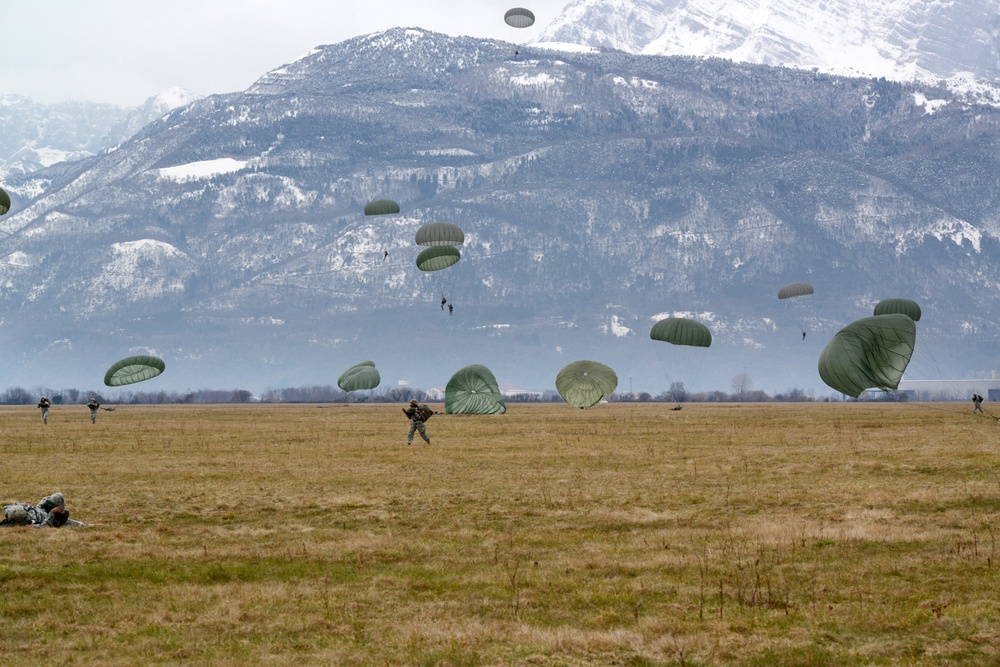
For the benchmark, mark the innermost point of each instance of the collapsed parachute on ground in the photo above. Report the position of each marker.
(440, 234)
(681, 331)
(4, 202)
(518, 17)
(870, 353)
(359, 377)
(585, 383)
(473, 390)
(792, 290)
(439, 257)
(902, 306)
(133, 369)
(381, 207)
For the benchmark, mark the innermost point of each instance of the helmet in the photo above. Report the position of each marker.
(414, 403)
(55, 500)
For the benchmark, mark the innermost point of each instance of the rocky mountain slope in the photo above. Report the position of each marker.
(896, 39)
(35, 135)
(597, 192)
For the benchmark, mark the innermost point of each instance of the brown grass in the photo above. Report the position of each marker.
(823, 534)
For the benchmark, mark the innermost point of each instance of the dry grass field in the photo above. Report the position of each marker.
(800, 534)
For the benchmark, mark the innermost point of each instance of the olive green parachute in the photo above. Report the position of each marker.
(133, 369)
(518, 17)
(359, 377)
(473, 391)
(4, 202)
(439, 257)
(871, 353)
(681, 331)
(440, 234)
(792, 290)
(585, 383)
(902, 306)
(381, 207)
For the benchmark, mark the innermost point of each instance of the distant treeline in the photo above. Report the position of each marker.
(332, 394)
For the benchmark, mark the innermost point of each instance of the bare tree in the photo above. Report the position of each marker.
(677, 393)
(741, 385)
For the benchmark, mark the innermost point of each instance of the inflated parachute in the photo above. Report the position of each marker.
(902, 306)
(381, 207)
(681, 331)
(440, 234)
(871, 353)
(473, 390)
(585, 383)
(359, 377)
(518, 17)
(133, 369)
(4, 202)
(436, 258)
(792, 290)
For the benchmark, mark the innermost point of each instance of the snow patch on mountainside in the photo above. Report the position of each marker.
(565, 46)
(930, 106)
(958, 232)
(17, 258)
(447, 151)
(201, 169)
(618, 327)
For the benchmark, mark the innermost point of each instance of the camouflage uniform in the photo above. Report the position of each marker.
(50, 511)
(93, 405)
(44, 406)
(416, 423)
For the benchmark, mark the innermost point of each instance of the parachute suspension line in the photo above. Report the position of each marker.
(923, 372)
(519, 17)
(681, 335)
(682, 365)
(667, 367)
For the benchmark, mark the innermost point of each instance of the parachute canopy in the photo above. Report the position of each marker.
(473, 390)
(585, 383)
(436, 258)
(794, 289)
(518, 17)
(681, 331)
(902, 306)
(4, 202)
(133, 369)
(869, 353)
(359, 376)
(440, 234)
(381, 207)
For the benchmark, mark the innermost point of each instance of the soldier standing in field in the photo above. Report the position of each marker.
(44, 406)
(93, 405)
(418, 415)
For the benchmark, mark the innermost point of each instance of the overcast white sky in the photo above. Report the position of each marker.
(124, 51)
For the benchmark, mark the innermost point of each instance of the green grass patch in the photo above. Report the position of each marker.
(819, 534)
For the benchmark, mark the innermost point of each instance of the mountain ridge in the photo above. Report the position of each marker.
(898, 39)
(35, 136)
(597, 192)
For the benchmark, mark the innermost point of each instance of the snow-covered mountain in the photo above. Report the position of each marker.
(597, 192)
(35, 135)
(896, 39)
(152, 109)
